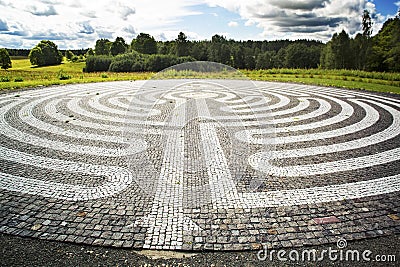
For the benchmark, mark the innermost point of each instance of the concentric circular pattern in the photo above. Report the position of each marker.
(208, 165)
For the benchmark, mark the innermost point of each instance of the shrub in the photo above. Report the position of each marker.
(4, 79)
(97, 63)
(45, 53)
(140, 62)
(69, 55)
(133, 61)
(128, 62)
(122, 65)
(5, 61)
(160, 62)
(18, 79)
(63, 76)
(74, 58)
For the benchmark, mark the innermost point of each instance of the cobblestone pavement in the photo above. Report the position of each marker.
(199, 164)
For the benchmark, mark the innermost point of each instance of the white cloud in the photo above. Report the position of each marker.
(233, 24)
(3, 26)
(42, 10)
(85, 27)
(130, 29)
(126, 11)
(310, 19)
(173, 34)
(79, 23)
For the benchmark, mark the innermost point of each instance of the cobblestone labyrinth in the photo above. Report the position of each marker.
(199, 164)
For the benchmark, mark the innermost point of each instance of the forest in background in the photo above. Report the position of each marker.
(380, 52)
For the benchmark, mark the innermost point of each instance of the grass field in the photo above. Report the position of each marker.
(22, 74)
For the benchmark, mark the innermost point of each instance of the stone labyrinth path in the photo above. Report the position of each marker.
(194, 165)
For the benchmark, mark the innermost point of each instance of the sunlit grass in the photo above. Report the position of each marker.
(351, 79)
(22, 75)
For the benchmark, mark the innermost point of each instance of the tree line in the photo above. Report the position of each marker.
(154, 55)
(364, 52)
(13, 52)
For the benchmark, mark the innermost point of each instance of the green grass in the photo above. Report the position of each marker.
(351, 79)
(22, 74)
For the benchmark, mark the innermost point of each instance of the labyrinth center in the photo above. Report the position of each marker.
(199, 164)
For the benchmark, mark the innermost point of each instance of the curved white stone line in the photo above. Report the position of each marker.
(74, 105)
(333, 91)
(228, 94)
(297, 90)
(261, 161)
(76, 90)
(392, 131)
(25, 115)
(261, 104)
(372, 117)
(51, 111)
(171, 94)
(150, 95)
(178, 92)
(325, 107)
(27, 138)
(286, 91)
(313, 195)
(266, 113)
(317, 90)
(5, 101)
(130, 112)
(347, 111)
(47, 91)
(383, 99)
(135, 101)
(244, 102)
(118, 178)
(239, 103)
(354, 94)
(116, 101)
(82, 91)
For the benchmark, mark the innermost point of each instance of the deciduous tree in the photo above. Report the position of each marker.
(119, 46)
(102, 47)
(145, 44)
(182, 45)
(5, 60)
(45, 53)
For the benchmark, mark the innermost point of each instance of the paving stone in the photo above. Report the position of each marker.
(192, 176)
(326, 220)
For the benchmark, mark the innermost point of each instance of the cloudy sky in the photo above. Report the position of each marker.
(74, 24)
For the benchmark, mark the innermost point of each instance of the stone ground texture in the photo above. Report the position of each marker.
(199, 165)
